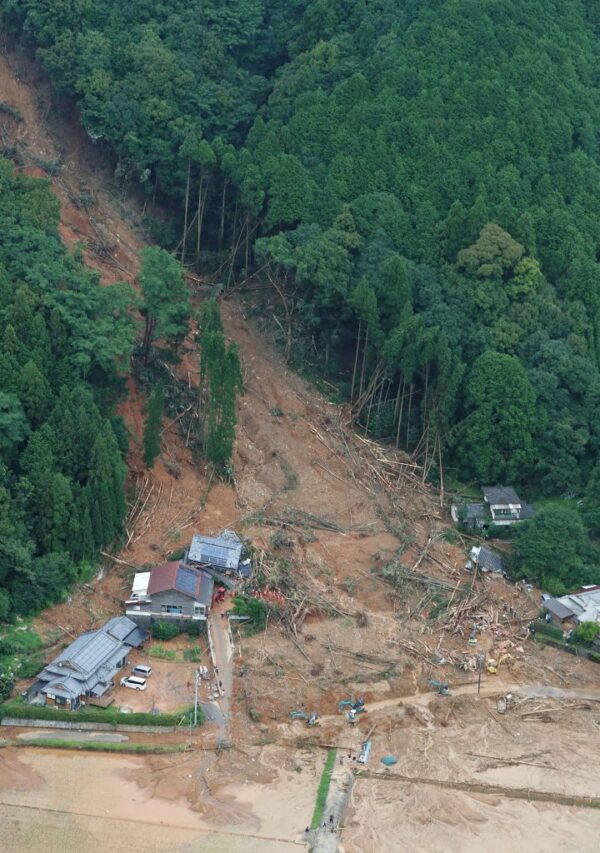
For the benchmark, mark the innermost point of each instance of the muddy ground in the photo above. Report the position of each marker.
(353, 633)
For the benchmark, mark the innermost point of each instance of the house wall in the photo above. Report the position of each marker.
(170, 597)
(503, 514)
(145, 613)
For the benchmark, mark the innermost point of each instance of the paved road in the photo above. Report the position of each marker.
(223, 657)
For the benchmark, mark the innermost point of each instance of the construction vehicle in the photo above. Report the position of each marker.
(311, 719)
(472, 641)
(365, 752)
(442, 688)
(219, 594)
(492, 664)
(357, 705)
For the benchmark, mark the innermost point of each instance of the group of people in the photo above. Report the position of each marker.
(326, 824)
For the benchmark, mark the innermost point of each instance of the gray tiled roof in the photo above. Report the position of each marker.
(91, 661)
(119, 627)
(490, 560)
(527, 511)
(69, 688)
(501, 495)
(86, 657)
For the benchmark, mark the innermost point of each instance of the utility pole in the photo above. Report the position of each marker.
(196, 685)
(480, 661)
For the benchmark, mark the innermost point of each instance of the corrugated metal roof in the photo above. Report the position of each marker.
(557, 608)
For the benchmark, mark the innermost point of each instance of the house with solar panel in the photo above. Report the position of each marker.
(220, 554)
(173, 592)
(85, 670)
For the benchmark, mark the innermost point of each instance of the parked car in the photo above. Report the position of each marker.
(142, 670)
(134, 682)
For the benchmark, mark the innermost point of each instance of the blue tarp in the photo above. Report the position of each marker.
(388, 760)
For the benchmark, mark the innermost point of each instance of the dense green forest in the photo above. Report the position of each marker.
(62, 338)
(418, 180)
(65, 344)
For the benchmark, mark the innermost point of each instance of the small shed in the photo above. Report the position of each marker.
(486, 560)
(558, 611)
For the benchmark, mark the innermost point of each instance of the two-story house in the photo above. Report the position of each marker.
(171, 591)
(505, 506)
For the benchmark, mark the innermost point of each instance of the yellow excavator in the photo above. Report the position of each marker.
(492, 664)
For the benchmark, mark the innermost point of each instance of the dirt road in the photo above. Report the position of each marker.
(492, 688)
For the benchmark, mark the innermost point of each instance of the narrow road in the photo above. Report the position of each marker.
(222, 649)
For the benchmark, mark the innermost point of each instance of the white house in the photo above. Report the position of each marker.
(506, 507)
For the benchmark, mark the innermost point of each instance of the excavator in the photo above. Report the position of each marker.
(492, 664)
(311, 719)
(442, 688)
(357, 705)
(352, 708)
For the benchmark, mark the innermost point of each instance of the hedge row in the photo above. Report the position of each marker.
(90, 715)
(570, 648)
(97, 746)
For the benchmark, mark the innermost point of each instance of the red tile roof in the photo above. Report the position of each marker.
(163, 577)
(186, 579)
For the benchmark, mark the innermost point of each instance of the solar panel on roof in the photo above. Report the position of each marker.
(215, 554)
(186, 580)
(95, 652)
(216, 551)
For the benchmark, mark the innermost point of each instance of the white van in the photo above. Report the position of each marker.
(142, 669)
(133, 682)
